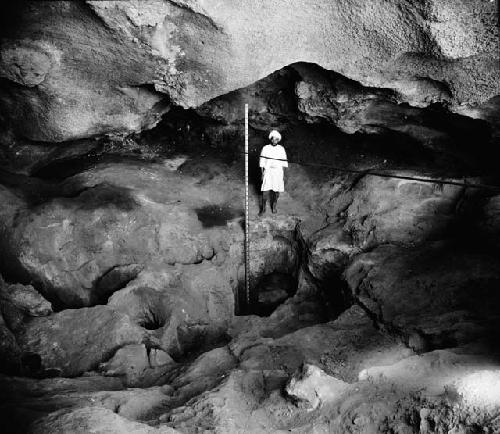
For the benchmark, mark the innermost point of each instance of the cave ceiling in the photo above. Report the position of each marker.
(73, 70)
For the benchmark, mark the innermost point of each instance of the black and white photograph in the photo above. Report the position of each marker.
(250, 216)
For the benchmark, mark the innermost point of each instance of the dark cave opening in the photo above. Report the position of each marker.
(272, 290)
(394, 136)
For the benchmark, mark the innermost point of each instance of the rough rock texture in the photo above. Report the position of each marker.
(388, 388)
(433, 371)
(329, 251)
(184, 307)
(166, 258)
(95, 420)
(400, 211)
(24, 298)
(428, 291)
(312, 385)
(63, 84)
(402, 393)
(74, 341)
(376, 296)
(69, 86)
(10, 353)
(341, 348)
(307, 95)
(78, 247)
(137, 365)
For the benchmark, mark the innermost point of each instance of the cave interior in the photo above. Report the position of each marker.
(374, 291)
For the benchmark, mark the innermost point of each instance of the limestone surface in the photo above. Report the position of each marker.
(84, 69)
(77, 340)
(25, 298)
(92, 419)
(427, 291)
(137, 365)
(312, 385)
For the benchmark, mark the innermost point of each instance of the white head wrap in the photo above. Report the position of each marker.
(275, 133)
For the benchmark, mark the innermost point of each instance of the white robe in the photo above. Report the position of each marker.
(273, 169)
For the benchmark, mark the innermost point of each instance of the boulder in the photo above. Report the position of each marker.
(137, 365)
(185, 306)
(389, 210)
(329, 251)
(82, 248)
(204, 373)
(19, 302)
(25, 298)
(213, 363)
(312, 385)
(273, 247)
(77, 340)
(341, 348)
(93, 419)
(226, 406)
(428, 290)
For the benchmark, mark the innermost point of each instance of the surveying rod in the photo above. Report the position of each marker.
(247, 240)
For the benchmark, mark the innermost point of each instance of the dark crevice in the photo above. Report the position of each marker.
(114, 279)
(153, 321)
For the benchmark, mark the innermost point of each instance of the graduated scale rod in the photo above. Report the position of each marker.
(247, 217)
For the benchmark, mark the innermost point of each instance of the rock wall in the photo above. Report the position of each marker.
(123, 258)
(75, 69)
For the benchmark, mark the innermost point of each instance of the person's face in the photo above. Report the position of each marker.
(274, 141)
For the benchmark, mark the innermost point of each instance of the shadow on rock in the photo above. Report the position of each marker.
(36, 192)
(107, 195)
(216, 215)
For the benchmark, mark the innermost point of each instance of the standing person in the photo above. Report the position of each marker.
(272, 161)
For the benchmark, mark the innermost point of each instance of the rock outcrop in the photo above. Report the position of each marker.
(312, 385)
(123, 257)
(138, 366)
(93, 419)
(426, 293)
(72, 342)
(24, 299)
(77, 70)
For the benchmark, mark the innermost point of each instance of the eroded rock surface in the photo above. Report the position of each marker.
(24, 298)
(313, 386)
(137, 365)
(92, 419)
(404, 288)
(74, 341)
(123, 256)
(68, 86)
